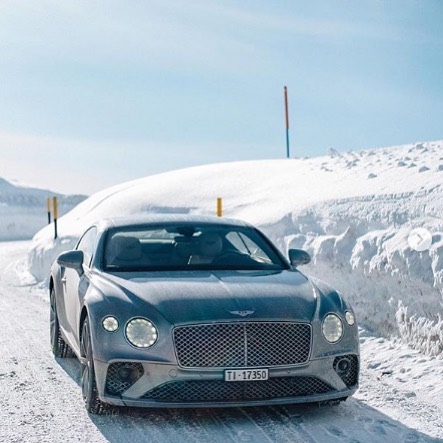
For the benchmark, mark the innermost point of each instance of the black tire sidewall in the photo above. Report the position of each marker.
(90, 397)
(55, 337)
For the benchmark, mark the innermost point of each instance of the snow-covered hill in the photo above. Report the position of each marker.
(353, 211)
(23, 209)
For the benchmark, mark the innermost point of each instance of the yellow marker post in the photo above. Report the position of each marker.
(55, 209)
(48, 207)
(219, 207)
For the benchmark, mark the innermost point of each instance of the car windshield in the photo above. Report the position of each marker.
(188, 247)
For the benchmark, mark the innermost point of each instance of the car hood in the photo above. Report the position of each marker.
(203, 296)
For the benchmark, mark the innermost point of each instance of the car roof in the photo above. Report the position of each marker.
(146, 219)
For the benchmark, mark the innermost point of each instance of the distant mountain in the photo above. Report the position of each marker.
(23, 210)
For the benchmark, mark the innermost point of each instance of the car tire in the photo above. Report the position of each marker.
(59, 347)
(89, 385)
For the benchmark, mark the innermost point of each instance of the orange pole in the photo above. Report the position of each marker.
(48, 208)
(55, 209)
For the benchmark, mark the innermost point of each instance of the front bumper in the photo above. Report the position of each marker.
(146, 384)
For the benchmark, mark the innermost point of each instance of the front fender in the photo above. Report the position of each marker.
(108, 346)
(331, 301)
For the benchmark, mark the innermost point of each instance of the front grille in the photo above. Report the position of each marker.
(121, 376)
(221, 391)
(242, 344)
(350, 377)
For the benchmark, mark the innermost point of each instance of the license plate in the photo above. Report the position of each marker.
(246, 374)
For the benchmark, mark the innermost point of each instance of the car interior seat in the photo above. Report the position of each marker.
(123, 250)
(210, 246)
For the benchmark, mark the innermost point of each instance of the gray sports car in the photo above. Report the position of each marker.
(180, 311)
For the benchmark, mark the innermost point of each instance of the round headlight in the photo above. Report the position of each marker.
(350, 318)
(110, 324)
(332, 328)
(141, 333)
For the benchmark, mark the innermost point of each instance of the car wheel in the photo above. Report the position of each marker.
(89, 386)
(59, 347)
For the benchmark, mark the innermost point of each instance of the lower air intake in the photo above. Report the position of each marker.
(121, 376)
(221, 391)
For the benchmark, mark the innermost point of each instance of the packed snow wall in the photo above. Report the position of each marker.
(361, 248)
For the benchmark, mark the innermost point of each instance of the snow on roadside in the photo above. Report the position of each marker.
(399, 381)
(394, 363)
(352, 211)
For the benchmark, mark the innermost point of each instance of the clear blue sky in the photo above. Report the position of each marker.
(94, 93)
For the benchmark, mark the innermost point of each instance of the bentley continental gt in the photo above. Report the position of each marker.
(189, 311)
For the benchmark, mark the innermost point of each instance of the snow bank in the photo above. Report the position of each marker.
(352, 211)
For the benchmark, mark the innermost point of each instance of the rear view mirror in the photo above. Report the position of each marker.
(298, 257)
(71, 259)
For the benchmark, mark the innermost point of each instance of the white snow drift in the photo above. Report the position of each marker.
(352, 211)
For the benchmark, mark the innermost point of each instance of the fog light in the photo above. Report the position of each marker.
(128, 374)
(343, 365)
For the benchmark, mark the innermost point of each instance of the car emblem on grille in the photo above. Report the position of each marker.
(241, 313)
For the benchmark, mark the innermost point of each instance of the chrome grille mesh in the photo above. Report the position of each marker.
(242, 344)
(219, 390)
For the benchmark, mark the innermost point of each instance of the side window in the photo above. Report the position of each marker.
(87, 245)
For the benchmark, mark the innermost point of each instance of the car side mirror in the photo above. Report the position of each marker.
(298, 257)
(71, 259)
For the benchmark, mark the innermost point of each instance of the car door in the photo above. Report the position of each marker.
(75, 285)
